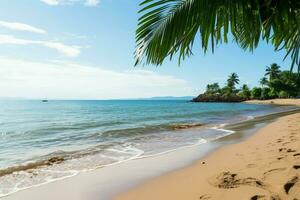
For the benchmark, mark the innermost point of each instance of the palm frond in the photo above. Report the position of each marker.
(168, 27)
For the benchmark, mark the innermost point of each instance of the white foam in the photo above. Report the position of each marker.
(224, 130)
(129, 149)
(200, 141)
(17, 189)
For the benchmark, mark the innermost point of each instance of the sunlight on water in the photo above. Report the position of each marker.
(45, 141)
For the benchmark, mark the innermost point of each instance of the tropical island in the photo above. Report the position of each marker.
(275, 84)
(111, 132)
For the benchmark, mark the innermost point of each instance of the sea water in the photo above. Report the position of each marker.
(41, 142)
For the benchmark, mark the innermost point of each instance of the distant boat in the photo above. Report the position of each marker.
(44, 100)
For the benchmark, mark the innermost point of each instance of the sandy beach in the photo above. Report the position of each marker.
(295, 102)
(241, 166)
(265, 166)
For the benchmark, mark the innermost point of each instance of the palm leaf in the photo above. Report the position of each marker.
(169, 27)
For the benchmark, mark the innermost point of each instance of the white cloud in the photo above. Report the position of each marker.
(21, 27)
(51, 2)
(70, 2)
(68, 50)
(63, 80)
(91, 2)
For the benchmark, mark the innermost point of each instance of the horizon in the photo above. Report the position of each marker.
(154, 98)
(89, 55)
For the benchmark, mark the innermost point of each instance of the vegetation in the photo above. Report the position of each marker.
(275, 84)
(168, 27)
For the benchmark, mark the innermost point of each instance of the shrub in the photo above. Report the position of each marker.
(256, 93)
(272, 93)
(283, 94)
(265, 93)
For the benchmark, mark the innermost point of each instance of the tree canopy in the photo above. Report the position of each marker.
(284, 85)
(170, 26)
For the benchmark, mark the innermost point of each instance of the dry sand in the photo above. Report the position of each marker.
(295, 102)
(266, 166)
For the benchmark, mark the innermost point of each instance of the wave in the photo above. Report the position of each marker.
(149, 129)
(224, 130)
(32, 165)
(185, 126)
(56, 168)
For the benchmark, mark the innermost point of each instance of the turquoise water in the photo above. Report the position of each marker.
(45, 141)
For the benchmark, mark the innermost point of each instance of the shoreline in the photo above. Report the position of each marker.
(177, 162)
(264, 166)
(283, 102)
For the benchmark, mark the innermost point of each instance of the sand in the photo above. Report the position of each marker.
(295, 102)
(265, 166)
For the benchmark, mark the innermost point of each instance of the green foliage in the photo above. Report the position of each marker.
(265, 93)
(272, 93)
(256, 93)
(283, 84)
(283, 94)
(263, 81)
(168, 27)
(212, 88)
(232, 80)
(245, 92)
(272, 71)
(225, 90)
(287, 82)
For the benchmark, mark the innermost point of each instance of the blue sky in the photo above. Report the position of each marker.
(83, 49)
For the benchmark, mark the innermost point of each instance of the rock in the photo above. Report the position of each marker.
(218, 98)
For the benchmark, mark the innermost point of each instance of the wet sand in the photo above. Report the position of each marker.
(170, 173)
(265, 166)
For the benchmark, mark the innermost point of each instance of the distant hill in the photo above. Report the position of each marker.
(169, 98)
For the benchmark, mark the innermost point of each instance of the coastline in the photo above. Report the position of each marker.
(265, 166)
(109, 181)
(293, 102)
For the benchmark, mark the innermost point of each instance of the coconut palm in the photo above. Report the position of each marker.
(245, 92)
(273, 71)
(263, 81)
(232, 80)
(212, 88)
(168, 27)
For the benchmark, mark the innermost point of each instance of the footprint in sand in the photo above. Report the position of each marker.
(281, 149)
(251, 165)
(227, 180)
(288, 186)
(283, 144)
(296, 166)
(274, 170)
(290, 151)
(279, 158)
(256, 197)
(204, 197)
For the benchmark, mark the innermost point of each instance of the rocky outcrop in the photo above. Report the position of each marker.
(218, 98)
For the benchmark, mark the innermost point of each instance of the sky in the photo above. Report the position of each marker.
(83, 49)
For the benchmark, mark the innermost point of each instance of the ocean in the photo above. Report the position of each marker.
(43, 142)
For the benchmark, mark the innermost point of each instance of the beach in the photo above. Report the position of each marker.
(295, 102)
(93, 107)
(265, 166)
(235, 165)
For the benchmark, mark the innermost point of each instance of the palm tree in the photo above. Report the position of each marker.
(263, 81)
(245, 91)
(168, 27)
(212, 88)
(232, 80)
(273, 71)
